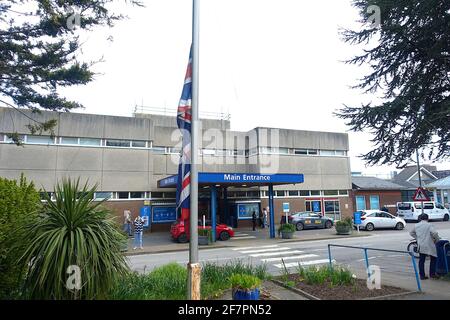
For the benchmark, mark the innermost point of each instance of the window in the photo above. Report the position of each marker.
(117, 143)
(208, 152)
(293, 193)
(159, 150)
(327, 152)
(252, 194)
(90, 142)
(343, 192)
(103, 195)
(360, 203)
(332, 209)
(304, 193)
(40, 140)
(279, 193)
(264, 194)
(240, 194)
(313, 206)
(68, 141)
(330, 193)
(341, 153)
(315, 193)
(301, 151)
(122, 195)
(173, 150)
(137, 195)
(138, 144)
(313, 152)
(170, 195)
(157, 195)
(9, 140)
(253, 151)
(375, 202)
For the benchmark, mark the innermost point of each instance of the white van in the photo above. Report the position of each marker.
(410, 211)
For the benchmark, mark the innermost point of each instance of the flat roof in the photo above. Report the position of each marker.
(237, 179)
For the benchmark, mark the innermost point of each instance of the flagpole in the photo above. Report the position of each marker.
(194, 266)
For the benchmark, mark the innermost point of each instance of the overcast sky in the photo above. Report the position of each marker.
(266, 62)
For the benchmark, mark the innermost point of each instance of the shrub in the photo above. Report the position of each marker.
(286, 227)
(73, 230)
(335, 276)
(216, 278)
(19, 204)
(346, 222)
(205, 233)
(244, 282)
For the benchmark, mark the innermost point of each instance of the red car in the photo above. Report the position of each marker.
(178, 231)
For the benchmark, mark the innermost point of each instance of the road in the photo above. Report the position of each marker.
(396, 268)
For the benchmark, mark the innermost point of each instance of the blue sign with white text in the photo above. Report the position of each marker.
(357, 218)
(245, 210)
(164, 214)
(316, 206)
(246, 178)
(145, 214)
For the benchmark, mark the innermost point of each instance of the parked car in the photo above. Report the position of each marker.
(308, 220)
(377, 219)
(179, 233)
(411, 211)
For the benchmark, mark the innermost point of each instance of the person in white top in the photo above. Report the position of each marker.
(426, 236)
(127, 222)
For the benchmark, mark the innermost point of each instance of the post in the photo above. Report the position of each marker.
(420, 176)
(366, 256)
(416, 272)
(329, 256)
(271, 213)
(194, 269)
(213, 212)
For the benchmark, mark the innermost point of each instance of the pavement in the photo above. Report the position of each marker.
(309, 248)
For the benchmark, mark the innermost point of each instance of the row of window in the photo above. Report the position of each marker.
(136, 195)
(141, 144)
(374, 202)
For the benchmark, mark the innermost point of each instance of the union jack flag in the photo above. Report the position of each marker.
(184, 117)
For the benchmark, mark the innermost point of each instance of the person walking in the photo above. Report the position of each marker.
(138, 231)
(426, 236)
(261, 219)
(254, 220)
(265, 220)
(127, 222)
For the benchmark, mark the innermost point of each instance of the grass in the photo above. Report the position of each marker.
(169, 282)
(336, 276)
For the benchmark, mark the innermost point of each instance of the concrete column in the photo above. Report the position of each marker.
(213, 212)
(271, 213)
(442, 197)
(435, 196)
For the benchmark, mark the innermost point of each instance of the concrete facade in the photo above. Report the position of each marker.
(320, 156)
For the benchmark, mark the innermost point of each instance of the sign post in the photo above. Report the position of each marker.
(286, 210)
(357, 219)
(422, 196)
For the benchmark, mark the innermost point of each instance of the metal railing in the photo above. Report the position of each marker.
(446, 254)
(366, 257)
(172, 112)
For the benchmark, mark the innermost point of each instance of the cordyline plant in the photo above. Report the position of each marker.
(73, 231)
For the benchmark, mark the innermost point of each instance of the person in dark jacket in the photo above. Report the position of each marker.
(254, 220)
(385, 209)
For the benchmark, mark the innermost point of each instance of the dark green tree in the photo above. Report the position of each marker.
(39, 42)
(19, 205)
(408, 53)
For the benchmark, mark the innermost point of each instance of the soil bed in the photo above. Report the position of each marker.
(356, 291)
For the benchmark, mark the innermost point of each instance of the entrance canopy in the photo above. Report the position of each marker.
(225, 179)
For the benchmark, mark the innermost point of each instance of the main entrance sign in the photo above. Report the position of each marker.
(238, 178)
(206, 177)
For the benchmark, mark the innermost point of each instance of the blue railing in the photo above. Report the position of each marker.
(366, 257)
(446, 255)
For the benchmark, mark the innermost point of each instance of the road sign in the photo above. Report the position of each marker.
(357, 218)
(421, 195)
(285, 207)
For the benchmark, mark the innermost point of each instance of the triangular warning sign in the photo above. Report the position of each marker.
(420, 195)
